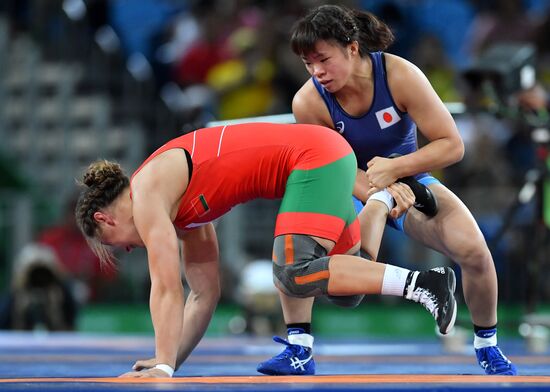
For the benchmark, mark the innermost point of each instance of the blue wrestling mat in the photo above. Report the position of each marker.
(84, 362)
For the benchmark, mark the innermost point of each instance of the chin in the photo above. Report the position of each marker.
(332, 87)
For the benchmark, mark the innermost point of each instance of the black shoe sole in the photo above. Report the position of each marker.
(449, 318)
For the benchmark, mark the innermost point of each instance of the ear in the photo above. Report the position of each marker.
(354, 48)
(102, 217)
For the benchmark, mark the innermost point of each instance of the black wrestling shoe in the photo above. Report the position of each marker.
(425, 200)
(434, 289)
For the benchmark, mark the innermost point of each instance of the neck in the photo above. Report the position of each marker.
(360, 79)
(122, 205)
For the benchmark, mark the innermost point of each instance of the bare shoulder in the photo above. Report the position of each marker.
(400, 70)
(308, 106)
(166, 174)
(405, 79)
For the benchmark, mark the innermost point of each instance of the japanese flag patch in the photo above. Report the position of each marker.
(387, 117)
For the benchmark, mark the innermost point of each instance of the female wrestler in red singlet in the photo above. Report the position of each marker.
(193, 179)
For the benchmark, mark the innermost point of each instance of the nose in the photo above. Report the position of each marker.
(318, 70)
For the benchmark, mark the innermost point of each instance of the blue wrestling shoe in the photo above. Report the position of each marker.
(493, 361)
(490, 358)
(295, 360)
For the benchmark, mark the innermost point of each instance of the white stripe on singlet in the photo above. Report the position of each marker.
(221, 137)
(193, 148)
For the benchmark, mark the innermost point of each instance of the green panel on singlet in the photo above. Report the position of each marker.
(326, 189)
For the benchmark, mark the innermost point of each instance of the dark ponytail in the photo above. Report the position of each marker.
(341, 25)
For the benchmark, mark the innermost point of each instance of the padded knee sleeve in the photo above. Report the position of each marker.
(300, 267)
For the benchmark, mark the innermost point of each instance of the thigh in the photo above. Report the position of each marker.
(451, 231)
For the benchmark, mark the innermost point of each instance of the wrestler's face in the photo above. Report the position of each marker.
(330, 64)
(117, 231)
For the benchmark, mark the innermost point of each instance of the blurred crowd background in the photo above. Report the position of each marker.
(84, 79)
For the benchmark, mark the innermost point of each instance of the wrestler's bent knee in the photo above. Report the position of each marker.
(302, 279)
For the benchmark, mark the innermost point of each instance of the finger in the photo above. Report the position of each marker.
(402, 194)
(372, 191)
(141, 364)
(394, 213)
(409, 191)
(398, 210)
(371, 162)
(130, 375)
(368, 178)
(402, 200)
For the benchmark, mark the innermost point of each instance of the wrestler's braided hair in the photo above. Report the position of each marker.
(101, 184)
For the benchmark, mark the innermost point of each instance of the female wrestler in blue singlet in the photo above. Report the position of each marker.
(377, 101)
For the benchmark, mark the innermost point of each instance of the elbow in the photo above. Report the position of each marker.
(215, 294)
(459, 151)
(455, 152)
(171, 289)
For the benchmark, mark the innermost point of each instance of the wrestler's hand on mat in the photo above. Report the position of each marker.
(403, 196)
(146, 373)
(144, 364)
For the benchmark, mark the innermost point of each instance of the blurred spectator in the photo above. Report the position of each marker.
(39, 297)
(75, 256)
(499, 21)
(543, 47)
(395, 14)
(244, 84)
(535, 99)
(210, 48)
(137, 21)
(429, 55)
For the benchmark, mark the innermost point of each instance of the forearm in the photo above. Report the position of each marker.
(361, 187)
(435, 155)
(166, 308)
(198, 313)
(200, 256)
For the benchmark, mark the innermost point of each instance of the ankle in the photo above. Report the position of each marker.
(302, 339)
(485, 338)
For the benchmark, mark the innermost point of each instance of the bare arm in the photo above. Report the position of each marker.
(200, 255)
(361, 187)
(156, 190)
(414, 94)
(309, 108)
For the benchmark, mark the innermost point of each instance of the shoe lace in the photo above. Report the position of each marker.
(496, 359)
(290, 351)
(426, 298)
